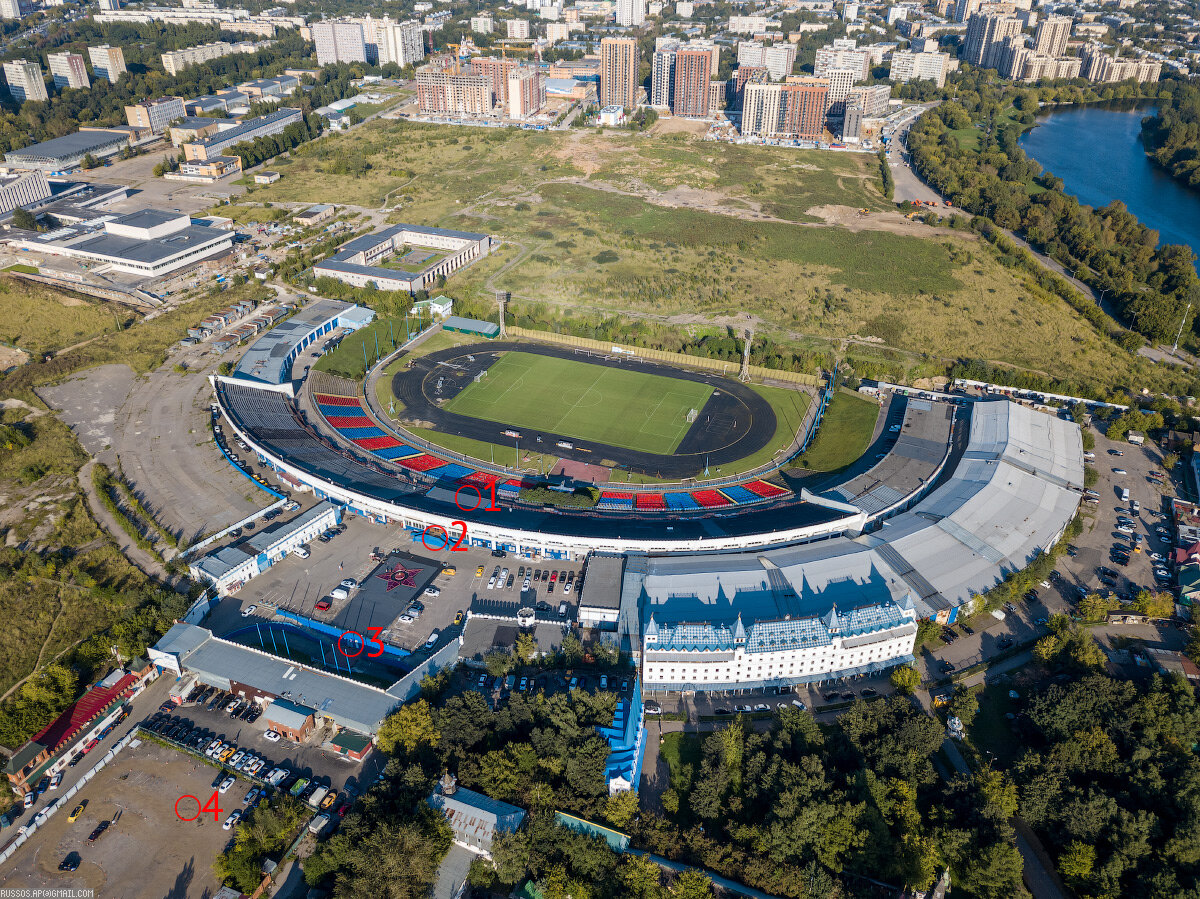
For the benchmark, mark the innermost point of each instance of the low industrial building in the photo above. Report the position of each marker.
(263, 126)
(314, 215)
(67, 152)
(474, 818)
(193, 128)
(150, 242)
(249, 673)
(269, 360)
(290, 720)
(266, 177)
(229, 568)
(26, 189)
(358, 262)
(207, 171)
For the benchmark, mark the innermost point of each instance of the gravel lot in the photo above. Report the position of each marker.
(149, 851)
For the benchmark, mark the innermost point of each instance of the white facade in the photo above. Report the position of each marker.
(747, 24)
(398, 42)
(842, 54)
(694, 657)
(631, 13)
(25, 80)
(930, 66)
(339, 42)
(482, 24)
(22, 190)
(68, 70)
(777, 59)
(107, 62)
(518, 29)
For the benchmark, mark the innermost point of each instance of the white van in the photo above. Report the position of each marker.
(301, 552)
(1125, 494)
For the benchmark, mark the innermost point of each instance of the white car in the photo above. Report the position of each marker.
(406, 619)
(251, 796)
(248, 611)
(432, 641)
(226, 784)
(291, 506)
(349, 583)
(798, 704)
(56, 781)
(212, 748)
(271, 736)
(762, 707)
(339, 593)
(29, 799)
(232, 820)
(491, 583)
(300, 552)
(433, 591)
(237, 757)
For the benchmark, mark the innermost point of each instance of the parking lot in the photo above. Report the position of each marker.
(297, 585)
(149, 851)
(306, 759)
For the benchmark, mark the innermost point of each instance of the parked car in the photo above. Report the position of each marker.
(234, 817)
(271, 736)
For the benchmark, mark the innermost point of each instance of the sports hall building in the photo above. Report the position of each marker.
(358, 262)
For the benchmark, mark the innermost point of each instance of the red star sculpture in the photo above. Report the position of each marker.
(399, 576)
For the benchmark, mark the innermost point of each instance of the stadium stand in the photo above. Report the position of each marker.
(765, 489)
(710, 499)
(680, 501)
(615, 502)
(653, 501)
(741, 496)
(421, 462)
(326, 399)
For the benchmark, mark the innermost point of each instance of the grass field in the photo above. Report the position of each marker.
(40, 320)
(844, 434)
(629, 409)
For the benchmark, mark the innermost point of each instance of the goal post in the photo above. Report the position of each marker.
(692, 415)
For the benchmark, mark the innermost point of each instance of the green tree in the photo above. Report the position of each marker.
(1155, 605)
(1076, 863)
(964, 704)
(1170, 460)
(640, 877)
(998, 791)
(526, 648)
(620, 808)
(906, 679)
(692, 884)
(572, 650)
(408, 728)
(499, 662)
(1095, 608)
(24, 219)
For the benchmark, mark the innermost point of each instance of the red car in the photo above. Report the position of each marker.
(342, 809)
(323, 605)
(90, 746)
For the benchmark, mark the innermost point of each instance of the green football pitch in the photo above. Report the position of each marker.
(622, 408)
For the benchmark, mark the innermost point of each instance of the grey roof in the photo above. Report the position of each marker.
(68, 146)
(359, 707)
(217, 564)
(290, 714)
(266, 358)
(476, 818)
(150, 251)
(602, 588)
(374, 271)
(235, 134)
(188, 123)
(339, 261)
(148, 218)
(1009, 498)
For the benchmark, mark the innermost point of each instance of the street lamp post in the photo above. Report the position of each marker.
(1180, 332)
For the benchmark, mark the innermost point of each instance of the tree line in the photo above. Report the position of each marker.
(1172, 136)
(1107, 248)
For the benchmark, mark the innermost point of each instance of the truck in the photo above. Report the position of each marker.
(1124, 494)
(318, 794)
(510, 682)
(318, 824)
(298, 786)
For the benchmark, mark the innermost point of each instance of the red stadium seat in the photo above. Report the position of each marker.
(328, 399)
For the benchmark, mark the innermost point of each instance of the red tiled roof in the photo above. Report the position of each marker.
(82, 712)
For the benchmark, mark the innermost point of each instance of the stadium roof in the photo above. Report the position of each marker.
(68, 147)
(266, 360)
(1009, 499)
(470, 326)
(349, 703)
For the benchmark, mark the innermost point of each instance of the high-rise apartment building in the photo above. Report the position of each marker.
(483, 24)
(107, 62)
(339, 42)
(1050, 39)
(68, 70)
(662, 75)
(842, 54)
(15, 9)
(841, 82)
(693, 71)
(175, 61)
(928, 66)
(619, 70)
(778, 59)
(526, 92)
(496, 70)
(25, 81)
(156, 115)
(442, 92)
(631, 13)
(399, 42)
(1099, 66)
(984, 42)
(518, 29)
(794, 110)
(872, 99)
